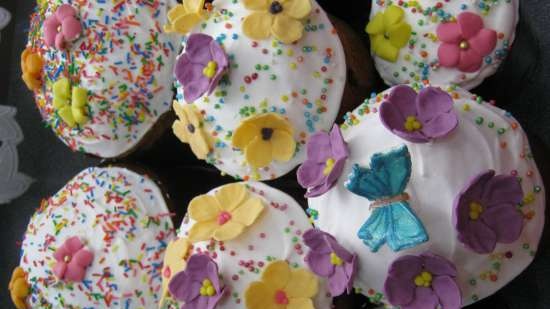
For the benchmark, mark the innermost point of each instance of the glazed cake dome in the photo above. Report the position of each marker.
(447, 42)
(101, 72)
(434, 189)
(247, 245)
(255, 79)
(98, 243)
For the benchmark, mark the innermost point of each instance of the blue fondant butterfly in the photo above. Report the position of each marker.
(384, 183)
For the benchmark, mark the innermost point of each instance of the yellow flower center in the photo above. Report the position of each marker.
(210, 69)
(464, 45)
(275, 8)
(412, 124)
(207, 289)
(335, 259)
(281, 298)
(329, 165)
(475, 210)
(424, 279)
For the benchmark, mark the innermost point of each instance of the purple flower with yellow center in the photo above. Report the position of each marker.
(326, 156)
(426, 281)
(198, 286)
(485, 211)
(419, 118)
(201, 67)
(328, 259)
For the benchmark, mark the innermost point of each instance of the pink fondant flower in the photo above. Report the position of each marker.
(62, 27)
(72, 260)
(465, 42)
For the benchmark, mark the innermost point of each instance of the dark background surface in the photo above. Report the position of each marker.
(521, 86)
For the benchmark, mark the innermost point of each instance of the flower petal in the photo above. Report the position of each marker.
(502, 189)
(277, 274)
(75, 272)
(202, 231)
(399, 34)
(391, 116)
(258, 153)
(475, 187)
(302, 283)
(505, 220)
(183, 288)
(319, 263)
(297, 9)
(424, 298)
(229, 230)
(449, 33)
(193, 6)
(470, 61)
(198, 48)
(232, 195)
(204, 208)
(185, 23)
(318, 147)
(438, 266)
(310, 174)
(384, 49)
(83, 258)
(399, 285)
(256, 5)
(337, 143)
(448, 55)
(287, 29)
(470, 24)
(376, 24)
(479, 237)
(64, 11)
(393, 15)
(73, 244)
(71, 28)
(338, 282)
(249, 211)
(257, 25)
(244, 134)
(273, 121)
(404, 98)
(199, 145)
(300, 303)
(195, 89)
(59, 41)
(59, 269)
(218, 55)
(50, 30)
(448, 292)
(181, 132)
(336, 171)
(283, 145)
(316, 241)
(440, 126)
(484, 41)
(257, 295)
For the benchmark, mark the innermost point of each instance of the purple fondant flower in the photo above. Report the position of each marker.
(418, 118)
(326, 156)
(198, 286)
(328, 259)
(485, 211)
(422, 282)
(201, 67)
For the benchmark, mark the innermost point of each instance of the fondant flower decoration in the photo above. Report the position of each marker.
(72, 259)
(326, 156)
(465, 42)
(198, 286)
(282, 288)
(225, 215)
(62, 27)
(189, 129)
(175, 260)
(427, 281)
(389, 33)
(71, 104)
(280, 18)
(328, 259)
(419, 118)
(183, 17)
(485, 211)
(201, 67)
(19, 288)
(31, 66)
(264, 138)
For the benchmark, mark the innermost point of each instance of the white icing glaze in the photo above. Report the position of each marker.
(307, 82)
(117, 59)
(276, 234)
(440, 169)
(502, 17)
(127, 234)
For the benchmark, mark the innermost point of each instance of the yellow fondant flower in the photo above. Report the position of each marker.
(264, 138)
(183, 17)
(225, 215)
(70, 103)
(189, 129)
(175, 260)
(282, 288)
(31, 66)
(19, 288)
(389, 32)
(280, 18)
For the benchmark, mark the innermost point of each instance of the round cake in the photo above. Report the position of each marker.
(255, 79)
(260, 251)
(448, 42)
(97, 243)
(101, 72)
(436, 191)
